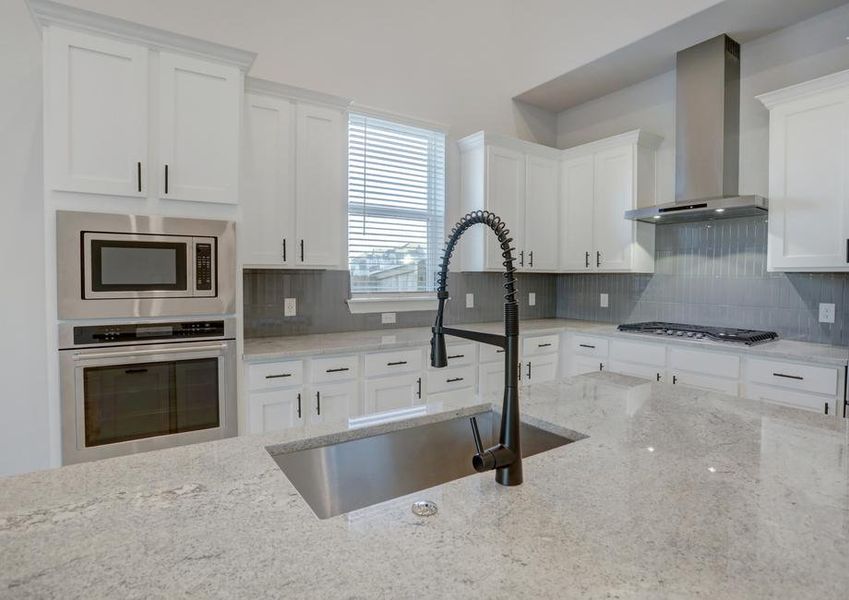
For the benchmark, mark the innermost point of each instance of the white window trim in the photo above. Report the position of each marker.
(401, 302)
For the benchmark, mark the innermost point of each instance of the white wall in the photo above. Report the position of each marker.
(24, 420)
(798, 53)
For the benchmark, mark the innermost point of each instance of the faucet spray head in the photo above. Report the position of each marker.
(438, 354)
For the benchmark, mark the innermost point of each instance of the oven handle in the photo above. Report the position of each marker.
(133, 353)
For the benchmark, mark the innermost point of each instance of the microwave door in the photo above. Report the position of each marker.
(130, 266)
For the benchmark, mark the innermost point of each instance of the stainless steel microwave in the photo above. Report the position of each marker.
(142, 266)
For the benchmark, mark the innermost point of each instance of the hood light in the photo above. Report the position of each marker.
(656, 217)
(719, 210)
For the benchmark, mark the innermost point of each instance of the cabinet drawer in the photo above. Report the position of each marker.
(440, 380)
(540, 344)
(334, 368)
(638, 352)
(263, 376)
(792, 398)
(706, 363)
(491, 353)
(461, 354)
(588, 345)
(386, 363)
(805, 378)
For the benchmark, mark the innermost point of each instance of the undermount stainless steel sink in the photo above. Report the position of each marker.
(342, 477)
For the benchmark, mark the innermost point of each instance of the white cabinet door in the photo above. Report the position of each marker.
(275, 410)
(614, 194)
(96, 117)
(577, 198)
(393, 393)
(320, 200)
(505, 191)
(198, 129)
(268, 186)
(809, 184)
(491, 377)
(637, 370)
(334, 402)
(541, 214)
(540, 369)
(587, 364)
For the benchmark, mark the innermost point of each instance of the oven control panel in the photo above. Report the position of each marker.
(144, 332)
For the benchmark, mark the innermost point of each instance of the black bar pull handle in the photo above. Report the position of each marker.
(419, 390)
(278, 375)
(601, 366)
(586, 346)
(826, 408)
(396, 363)
(299, 406)
(674, 379)
(587, 259)
(284, 249)
(598, 258)
(658, 376)
(302, 250)
(138, 174)
(847, 250)
(531, 258)
(318, 403)
(338, 370)
(456, 356)
(522, 258)
(543, 345)
(166, 179)
(454, 380)
(529, 369)
(785, 376)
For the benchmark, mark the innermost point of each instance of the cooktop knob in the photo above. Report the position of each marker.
(679, 333)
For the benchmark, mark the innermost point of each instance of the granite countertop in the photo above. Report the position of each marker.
(674, 493)
(269, 348)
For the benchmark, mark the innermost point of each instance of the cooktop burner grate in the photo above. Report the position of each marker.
(750, 337)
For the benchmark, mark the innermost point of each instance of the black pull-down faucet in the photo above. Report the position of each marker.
(506, 456)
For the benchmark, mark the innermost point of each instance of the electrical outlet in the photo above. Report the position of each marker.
(826, 312)
(387, 318)
(604, 301)
(532, 299)
(290, 307)
(470, 300)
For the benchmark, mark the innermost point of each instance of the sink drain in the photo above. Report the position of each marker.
(425, 508)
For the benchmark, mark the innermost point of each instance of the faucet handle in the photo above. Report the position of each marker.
(477, 435)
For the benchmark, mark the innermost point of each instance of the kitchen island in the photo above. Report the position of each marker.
(674, 492)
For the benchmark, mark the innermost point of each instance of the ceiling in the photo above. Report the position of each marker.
(743, 20)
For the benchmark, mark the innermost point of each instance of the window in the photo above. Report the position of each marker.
(396, 206)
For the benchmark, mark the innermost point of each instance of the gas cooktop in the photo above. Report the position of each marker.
(750, 337)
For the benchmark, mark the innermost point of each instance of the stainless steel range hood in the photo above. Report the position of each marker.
(707, 138)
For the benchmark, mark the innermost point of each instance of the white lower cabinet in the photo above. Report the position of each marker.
(334, 402)
(539, 369)
(491, 377)
(715, 371)
(384, 394)
(637, 370)
(810, 387)
(274, 410)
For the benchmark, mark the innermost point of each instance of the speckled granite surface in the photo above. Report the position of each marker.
(269, 348)
(675, 493)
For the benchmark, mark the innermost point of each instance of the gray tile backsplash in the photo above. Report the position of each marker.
(321, 304)
(706, 273)
(713, 273)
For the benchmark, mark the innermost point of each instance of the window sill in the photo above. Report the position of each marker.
(399, 303)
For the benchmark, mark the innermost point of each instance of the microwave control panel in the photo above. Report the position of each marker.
(203, 266)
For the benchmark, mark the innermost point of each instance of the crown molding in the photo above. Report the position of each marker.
(380, 113)
(505, 141)
(636, 137)
(47, 13)
(819, 85)
(291, 92)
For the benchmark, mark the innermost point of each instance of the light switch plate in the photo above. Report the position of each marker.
(387, 318)
(604, 301)
(290, 307)
(532, 299)
(826, 312)
(470, 300)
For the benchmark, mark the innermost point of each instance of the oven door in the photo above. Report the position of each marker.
(119, 265)
(129, 399)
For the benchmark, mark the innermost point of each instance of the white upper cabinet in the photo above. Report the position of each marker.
(517, 181)
(541, 210)
(123, 101)
(96, 114)
(294, 207)
(577, 185)
(809, 175)
(268, 183)
(198, 129)
(599, 182)
(320, 176)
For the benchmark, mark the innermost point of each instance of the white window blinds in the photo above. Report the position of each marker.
(396, 205)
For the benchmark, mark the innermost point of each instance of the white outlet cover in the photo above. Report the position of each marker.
(532, 299)
(290, 307)
(470, 300)
(826, 312)
(604, 301)
(387, 318)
